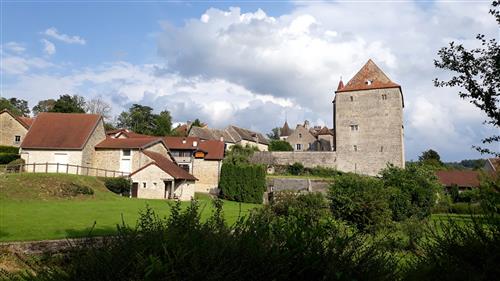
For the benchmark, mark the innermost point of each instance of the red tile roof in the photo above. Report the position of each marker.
(61, 130)
(129, 134)
(110, 142)
(458, 177)
(369, 77)
(340, 86)
(213, 148)
(168, 166)
(182, 142)
(28, 121)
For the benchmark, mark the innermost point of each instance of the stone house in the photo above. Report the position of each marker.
(492, 165)
(285, 131)
(231, 135)
(304, 138)
(62, 138)
(202, 158)
(13, 128)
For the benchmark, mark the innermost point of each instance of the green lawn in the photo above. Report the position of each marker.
(32, 209)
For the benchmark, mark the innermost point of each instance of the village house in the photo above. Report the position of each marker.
(13, 128)
(201, 158)
(492, 165)
(305, 138)
(231, 135)
(464, 180)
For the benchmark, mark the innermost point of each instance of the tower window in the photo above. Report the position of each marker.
(300, 135)
(352, 98)
(355, 147)
(354, 127)
(382, 149)
(384, 96)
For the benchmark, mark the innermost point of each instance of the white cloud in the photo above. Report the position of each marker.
(69, 39)
(14, 47)
(48, 47)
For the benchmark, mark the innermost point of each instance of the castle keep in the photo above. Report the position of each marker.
(368, 128)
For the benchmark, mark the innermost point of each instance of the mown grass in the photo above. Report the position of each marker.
(32, 209)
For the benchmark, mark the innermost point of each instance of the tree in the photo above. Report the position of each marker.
(239, 154)
(163, 124)
(478, 73)
(280, 145)
(5, 104)
(98, 106)
(43, 106)
(275, 134)
(69, 104)
(198, 123)
(430, 157)
(139, 119)
(21, 106)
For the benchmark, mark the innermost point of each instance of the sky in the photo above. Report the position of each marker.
(249, 63)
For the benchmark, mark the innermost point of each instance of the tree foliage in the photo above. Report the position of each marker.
(198, 123)
(238, 154)
(98, 106)
(5, 104)
(243, 182)
(163, 124)
(69, 104)
(275, 134)
(478, 73)
(280, 145)
(21, 106)
(142, 120)
(44, 106)
(431, 158)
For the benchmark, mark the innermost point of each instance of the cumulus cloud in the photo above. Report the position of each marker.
(69, 39)
(48, 47)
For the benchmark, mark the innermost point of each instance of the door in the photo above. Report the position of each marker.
(135, 186)
(62, 159)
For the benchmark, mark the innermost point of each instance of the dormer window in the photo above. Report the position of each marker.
(195, 143)
(368, 82)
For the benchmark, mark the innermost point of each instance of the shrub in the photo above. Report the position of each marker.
(469, 196)
(489, 194)
(322, 172)
(243, 182)
(414, 190)
(9, 149)
(360, 200)
(118, 185)
(296, 169)
(459, 251)
(280, 145)
(262, 247)
(8, 157)
(454, 193)
(310, 205)
(14, 165)
(74, 189)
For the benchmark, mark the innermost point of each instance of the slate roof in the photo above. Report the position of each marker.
(458, 177)
(60, 130)
(324, 131)
(246, 134)
(231, 134)
(128, 143)
(369, 77)
(285, 131)
(167, 166)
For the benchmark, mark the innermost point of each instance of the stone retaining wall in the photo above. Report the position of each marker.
(309, 159)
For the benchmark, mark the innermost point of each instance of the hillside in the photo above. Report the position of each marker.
(44, 187)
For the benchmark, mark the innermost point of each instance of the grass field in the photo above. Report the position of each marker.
(33, 208)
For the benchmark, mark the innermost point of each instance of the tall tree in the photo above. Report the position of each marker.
(98, 106)
(478, 73)
(430, 157)
(163, 124)
(43, 106)
(138, 118)
(5, 104)
(21, 106)
(275, 134)
(69, 104)
(197, 123)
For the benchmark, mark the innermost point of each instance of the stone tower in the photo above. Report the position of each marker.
(368, 118)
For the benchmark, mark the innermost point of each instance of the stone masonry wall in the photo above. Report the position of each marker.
(208, 173)
(88, 153)
(309, 159)
(9, 128)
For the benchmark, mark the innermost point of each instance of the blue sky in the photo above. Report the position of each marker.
(246, 63)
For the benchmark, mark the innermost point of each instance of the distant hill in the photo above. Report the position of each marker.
(468, 164)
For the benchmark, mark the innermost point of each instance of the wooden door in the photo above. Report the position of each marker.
(135, 186)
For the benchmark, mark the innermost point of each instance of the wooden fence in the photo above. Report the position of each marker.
(65, 169)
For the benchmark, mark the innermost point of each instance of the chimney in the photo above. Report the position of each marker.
(306, 124)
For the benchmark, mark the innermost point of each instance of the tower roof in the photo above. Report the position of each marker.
(369, 77)
(285, 131)
(340, 86)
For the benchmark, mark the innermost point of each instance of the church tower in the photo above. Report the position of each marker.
(368, 120)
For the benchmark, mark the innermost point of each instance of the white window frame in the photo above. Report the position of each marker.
(298, 146)
(16, 141)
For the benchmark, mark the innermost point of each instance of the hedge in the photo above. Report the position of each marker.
(243, 182)
(9, 149)
(118, 185)
(6, 158)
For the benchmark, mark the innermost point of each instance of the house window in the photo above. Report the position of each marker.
(184, 167)
(298, 146)
(155, 184)
(17, 139)
(352, 98)
(381, 149)
(144, 185)
(126, 152)
(384, 96)
(300, 135)
(355, 148)
(354, 127)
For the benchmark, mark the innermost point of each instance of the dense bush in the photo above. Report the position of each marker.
(118, 185)
(489, 193)
(322, 172)
(9, 149)
(310, 205)
(6, 158)
(280, 145)
(469, 196)
(238, 154)
(413, 190)
(243, 182)
(14, 165)
(459, 251)
(262, 247)
(74, 189)
(296, 169)
(360, 200)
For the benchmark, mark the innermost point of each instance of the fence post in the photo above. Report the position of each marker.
(57, 168)
(67, 168)
(34, 167)
(77, 168)
(46, 167)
